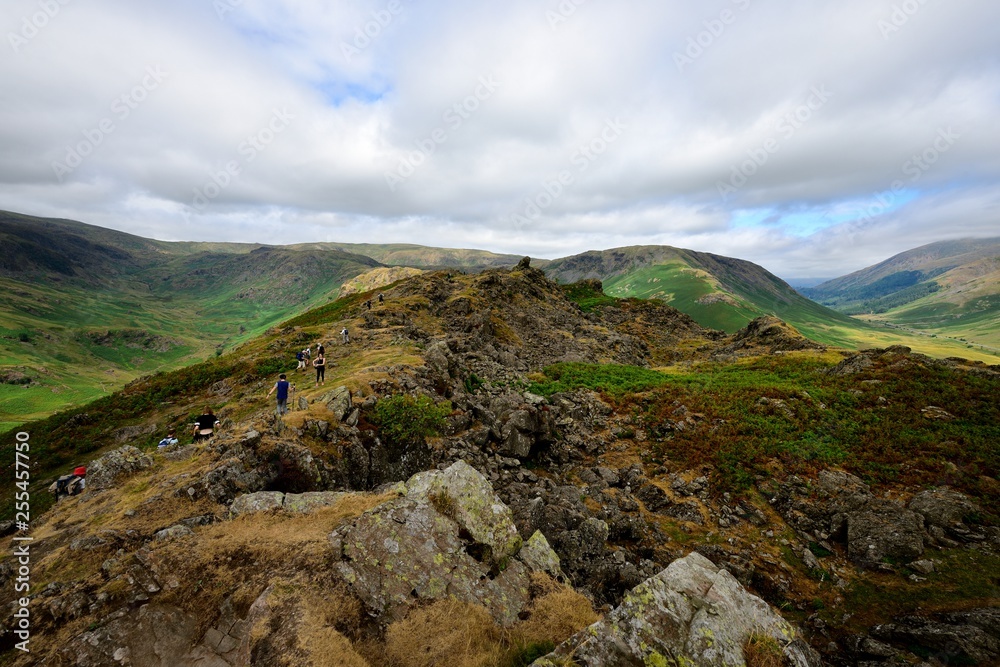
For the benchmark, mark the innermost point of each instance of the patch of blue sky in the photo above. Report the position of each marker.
(752, 217)
(336, 93)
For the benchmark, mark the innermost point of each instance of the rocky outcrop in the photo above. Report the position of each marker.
(300, 503)
(693, 613)
(884, 532)
(765, 335)
(961, 638)
(115, 466)
(841, 507)
(450, 536)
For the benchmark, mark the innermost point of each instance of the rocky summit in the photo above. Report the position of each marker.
(500, 470)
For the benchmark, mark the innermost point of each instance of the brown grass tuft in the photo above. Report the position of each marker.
(762, 650)
(556, 614)
(447, 632)
(320, 631)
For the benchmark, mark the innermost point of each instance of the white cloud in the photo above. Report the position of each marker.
(391, 95)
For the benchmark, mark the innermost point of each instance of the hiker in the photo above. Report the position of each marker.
(320, 364)
(171, 439)
(381, 298)
(369, 304)
(300, 357)
(204, 426)
(346, 336)
(70, 485)
(320, 349)
(281, 386)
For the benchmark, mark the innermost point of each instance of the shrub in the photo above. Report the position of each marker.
(407, 420)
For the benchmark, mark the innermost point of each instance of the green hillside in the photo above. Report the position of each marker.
(726, 293)
(85, 310)
(947, 290)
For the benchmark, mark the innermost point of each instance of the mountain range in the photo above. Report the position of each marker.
(949, 288)
(85, 310)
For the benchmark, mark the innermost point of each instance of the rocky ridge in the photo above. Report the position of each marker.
(515, 486)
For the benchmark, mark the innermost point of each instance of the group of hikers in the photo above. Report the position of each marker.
(304, 357)
(204, 426)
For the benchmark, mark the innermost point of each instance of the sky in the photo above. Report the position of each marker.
(814, 138)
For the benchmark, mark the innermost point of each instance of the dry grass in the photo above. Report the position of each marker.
(447, 632)
(245, 553)
(762, 650)
(319, 634)
(556, 614)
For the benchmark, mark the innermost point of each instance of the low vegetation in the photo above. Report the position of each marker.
(407, 420)
(740, 418)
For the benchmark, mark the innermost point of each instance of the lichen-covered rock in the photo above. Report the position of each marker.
(115, 466)
(406, 551)
(539, 556)
(310, 501)
(450, 536)
(692, 613)
(462, 493)
(339, 402)
(252, 503)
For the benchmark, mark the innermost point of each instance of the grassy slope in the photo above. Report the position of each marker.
(744, 291)
(964, 308)
(198, 298)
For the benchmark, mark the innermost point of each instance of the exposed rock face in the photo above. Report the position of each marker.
(449, 536)
(264, 501)
(884, 531)
(943, 507)
(154, 636)
(465, 496)
(338, 402)
(842, 507)
(692, 613)
(961, 638)
(115, 466)
(253, 503)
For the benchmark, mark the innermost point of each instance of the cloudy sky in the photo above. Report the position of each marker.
(811, 137)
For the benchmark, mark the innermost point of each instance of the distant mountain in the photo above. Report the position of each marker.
(718, 292)
(951, 288)
(423, 257)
